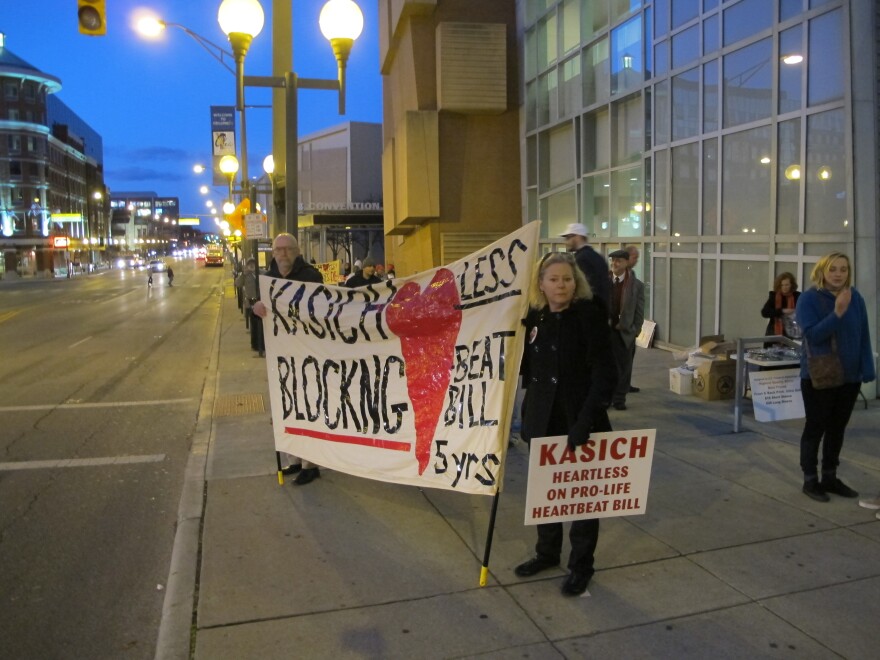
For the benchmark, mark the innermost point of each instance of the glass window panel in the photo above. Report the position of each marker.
(710, 187)
(685, 189)
(711, 42)
(821, 249)
(620, 8)
(596, 192)
(745, 203)
(628, 125)
(596, 73)
(825, 175)
(787, 248)
(790, 69)
(548, 100)
(661, 112)
(594, 16)
(561, 145)
(683, 301)
(571, 25)
(661, 197)
(786, 267)
(790, 8)
(826, 72)
(571, 86)
(686, 104)
(661, 58)
(661, 296)
(531, 161)
(531, 55)
(531, 106)
(661, 18)
(547, 47)
(818, 3)
(707, 298)
(627, 66)
(756, 248)
(627, 195)
(788, 177)
(683, 11)
(686, 47)
(649, 52)
(597, 143)
(709, 5)
(747, 84)
(746, 18)
(559, 210)
(738, 277)
(710, 96)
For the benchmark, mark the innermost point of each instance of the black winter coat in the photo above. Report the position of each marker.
(567, 355)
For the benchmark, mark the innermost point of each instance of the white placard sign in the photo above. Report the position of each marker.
(255, 226)
(607, 477)
(776, 395)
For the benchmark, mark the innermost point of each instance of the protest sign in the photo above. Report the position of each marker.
(330, 271)
(409, 380)
(776, 394)
(607, 477)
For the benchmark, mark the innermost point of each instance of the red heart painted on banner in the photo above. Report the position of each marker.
(427, 323)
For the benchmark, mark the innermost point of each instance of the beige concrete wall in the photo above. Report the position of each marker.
(462, 177)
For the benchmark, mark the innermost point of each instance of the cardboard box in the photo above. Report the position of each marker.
(715, 380)
(681, 380)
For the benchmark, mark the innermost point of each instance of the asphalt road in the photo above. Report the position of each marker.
(100, 382)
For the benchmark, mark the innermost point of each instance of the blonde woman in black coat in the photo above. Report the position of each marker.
(569, 376)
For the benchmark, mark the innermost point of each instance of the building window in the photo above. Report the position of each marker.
(30, 93)
(686, 104)
(710, 188)
(685, 189)
(594, 17)
(686, 47)
(627, 63)
(745, 204)
(825, 174)
(14, 143)
(596, 204)
(826, 72)
(747, 84)
(791, 50)
(559, 210)
(10, 91)
(13, 114)
(788, 177)
(596, 72)
(684, 11)
(746, 19)
(597, 145)
(627, 191)
(628, 124)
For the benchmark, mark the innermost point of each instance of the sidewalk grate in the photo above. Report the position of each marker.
(228, 405)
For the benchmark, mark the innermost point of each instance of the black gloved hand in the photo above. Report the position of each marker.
(578, 435)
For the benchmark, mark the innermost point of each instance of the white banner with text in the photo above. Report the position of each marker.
(410, 380)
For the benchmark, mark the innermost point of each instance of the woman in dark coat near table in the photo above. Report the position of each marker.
(781, 303)
(569, 375)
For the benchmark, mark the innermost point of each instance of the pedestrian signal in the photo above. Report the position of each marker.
(92, 17)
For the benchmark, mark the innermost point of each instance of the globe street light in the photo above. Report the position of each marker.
(229, 166)
(241, 21)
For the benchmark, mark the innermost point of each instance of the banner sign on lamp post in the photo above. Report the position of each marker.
(605, 478)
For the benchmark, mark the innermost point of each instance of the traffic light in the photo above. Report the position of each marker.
(92, 17)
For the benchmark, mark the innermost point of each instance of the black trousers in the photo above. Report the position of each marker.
(256, 328)
(827, 412)
(584, 535)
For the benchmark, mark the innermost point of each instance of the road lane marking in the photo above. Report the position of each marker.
(81, 462)
(109, 404)
(5, 316)
(81, 341)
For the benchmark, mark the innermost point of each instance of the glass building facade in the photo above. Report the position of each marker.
(730, 141)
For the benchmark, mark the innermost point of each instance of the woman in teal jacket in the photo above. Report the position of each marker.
(831, 309)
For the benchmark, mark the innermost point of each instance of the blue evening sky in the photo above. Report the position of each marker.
(150, 100)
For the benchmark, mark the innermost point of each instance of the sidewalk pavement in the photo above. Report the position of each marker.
(730, 560)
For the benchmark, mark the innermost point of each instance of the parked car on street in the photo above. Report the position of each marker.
(157, 266)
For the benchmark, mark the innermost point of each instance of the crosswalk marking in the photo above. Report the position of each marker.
(81, 462)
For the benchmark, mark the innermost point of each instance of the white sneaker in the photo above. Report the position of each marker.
(871, 503)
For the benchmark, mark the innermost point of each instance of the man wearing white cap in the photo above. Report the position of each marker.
(589, 261)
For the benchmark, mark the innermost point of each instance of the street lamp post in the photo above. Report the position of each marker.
(341, 23)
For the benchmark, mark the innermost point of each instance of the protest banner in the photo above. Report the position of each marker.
(410, 380)
(604, 478)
